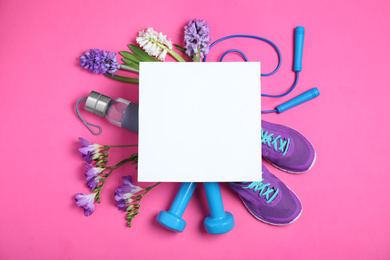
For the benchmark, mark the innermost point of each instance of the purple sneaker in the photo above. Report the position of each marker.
(270, 201)
(286, 148)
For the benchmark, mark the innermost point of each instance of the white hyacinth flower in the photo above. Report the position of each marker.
(154, 43)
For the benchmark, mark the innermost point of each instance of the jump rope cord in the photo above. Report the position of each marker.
(262, 74)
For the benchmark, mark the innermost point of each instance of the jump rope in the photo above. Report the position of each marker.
(298, 50)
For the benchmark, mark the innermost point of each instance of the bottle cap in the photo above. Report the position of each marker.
(97, 103)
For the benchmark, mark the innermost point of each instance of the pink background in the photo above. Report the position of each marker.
(345, 196)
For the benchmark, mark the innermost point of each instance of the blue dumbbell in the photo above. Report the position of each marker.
(219, 221)
(172, 219)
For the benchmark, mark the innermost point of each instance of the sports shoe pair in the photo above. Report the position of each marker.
(270, 200)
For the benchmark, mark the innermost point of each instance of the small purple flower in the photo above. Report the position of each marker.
(98, 61)
(86, 202)
(197, 37)
(92, 183)
(124, 192)
(92, 172)
(90, 151)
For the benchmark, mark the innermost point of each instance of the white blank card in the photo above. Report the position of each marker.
(199, 122)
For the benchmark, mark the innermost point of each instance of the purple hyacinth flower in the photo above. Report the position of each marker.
(197, 36)
(97, 61)
(124, 192)
(89, 150)
(86, 202)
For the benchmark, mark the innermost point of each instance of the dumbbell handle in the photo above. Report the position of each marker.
(182, 198)
(214, 199)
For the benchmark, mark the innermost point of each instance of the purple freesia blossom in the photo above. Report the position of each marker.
(89, 150)
(197, 37)
(86, 202)
(124, 192)
(98, 61)
(92, 183)
(92, 175)
(92, 172)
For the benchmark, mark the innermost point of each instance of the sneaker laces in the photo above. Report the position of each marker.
(261, 186)
(270, 139)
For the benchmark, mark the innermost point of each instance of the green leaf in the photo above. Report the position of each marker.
(124, 79)
(130, 56)
(181, 49)
(141, 53)
(131, 63)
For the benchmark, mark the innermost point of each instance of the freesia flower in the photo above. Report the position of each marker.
(124, 192)
(86, 202)
(197, 39)
(100, 61)
(92, 183)
(92, 172)
(154, 43)
(89, 150)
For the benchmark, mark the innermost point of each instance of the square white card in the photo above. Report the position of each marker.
(199, 122)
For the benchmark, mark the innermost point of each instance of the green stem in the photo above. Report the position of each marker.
(123, 145)
(147, 190)
(175, 55)
(99, 189)
(171, 52)
(151, 187)
(197, 56)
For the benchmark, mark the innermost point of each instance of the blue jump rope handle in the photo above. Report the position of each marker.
(219, 221)
(310, 94)
(306, 96)
(299, 36)
(172, 219)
